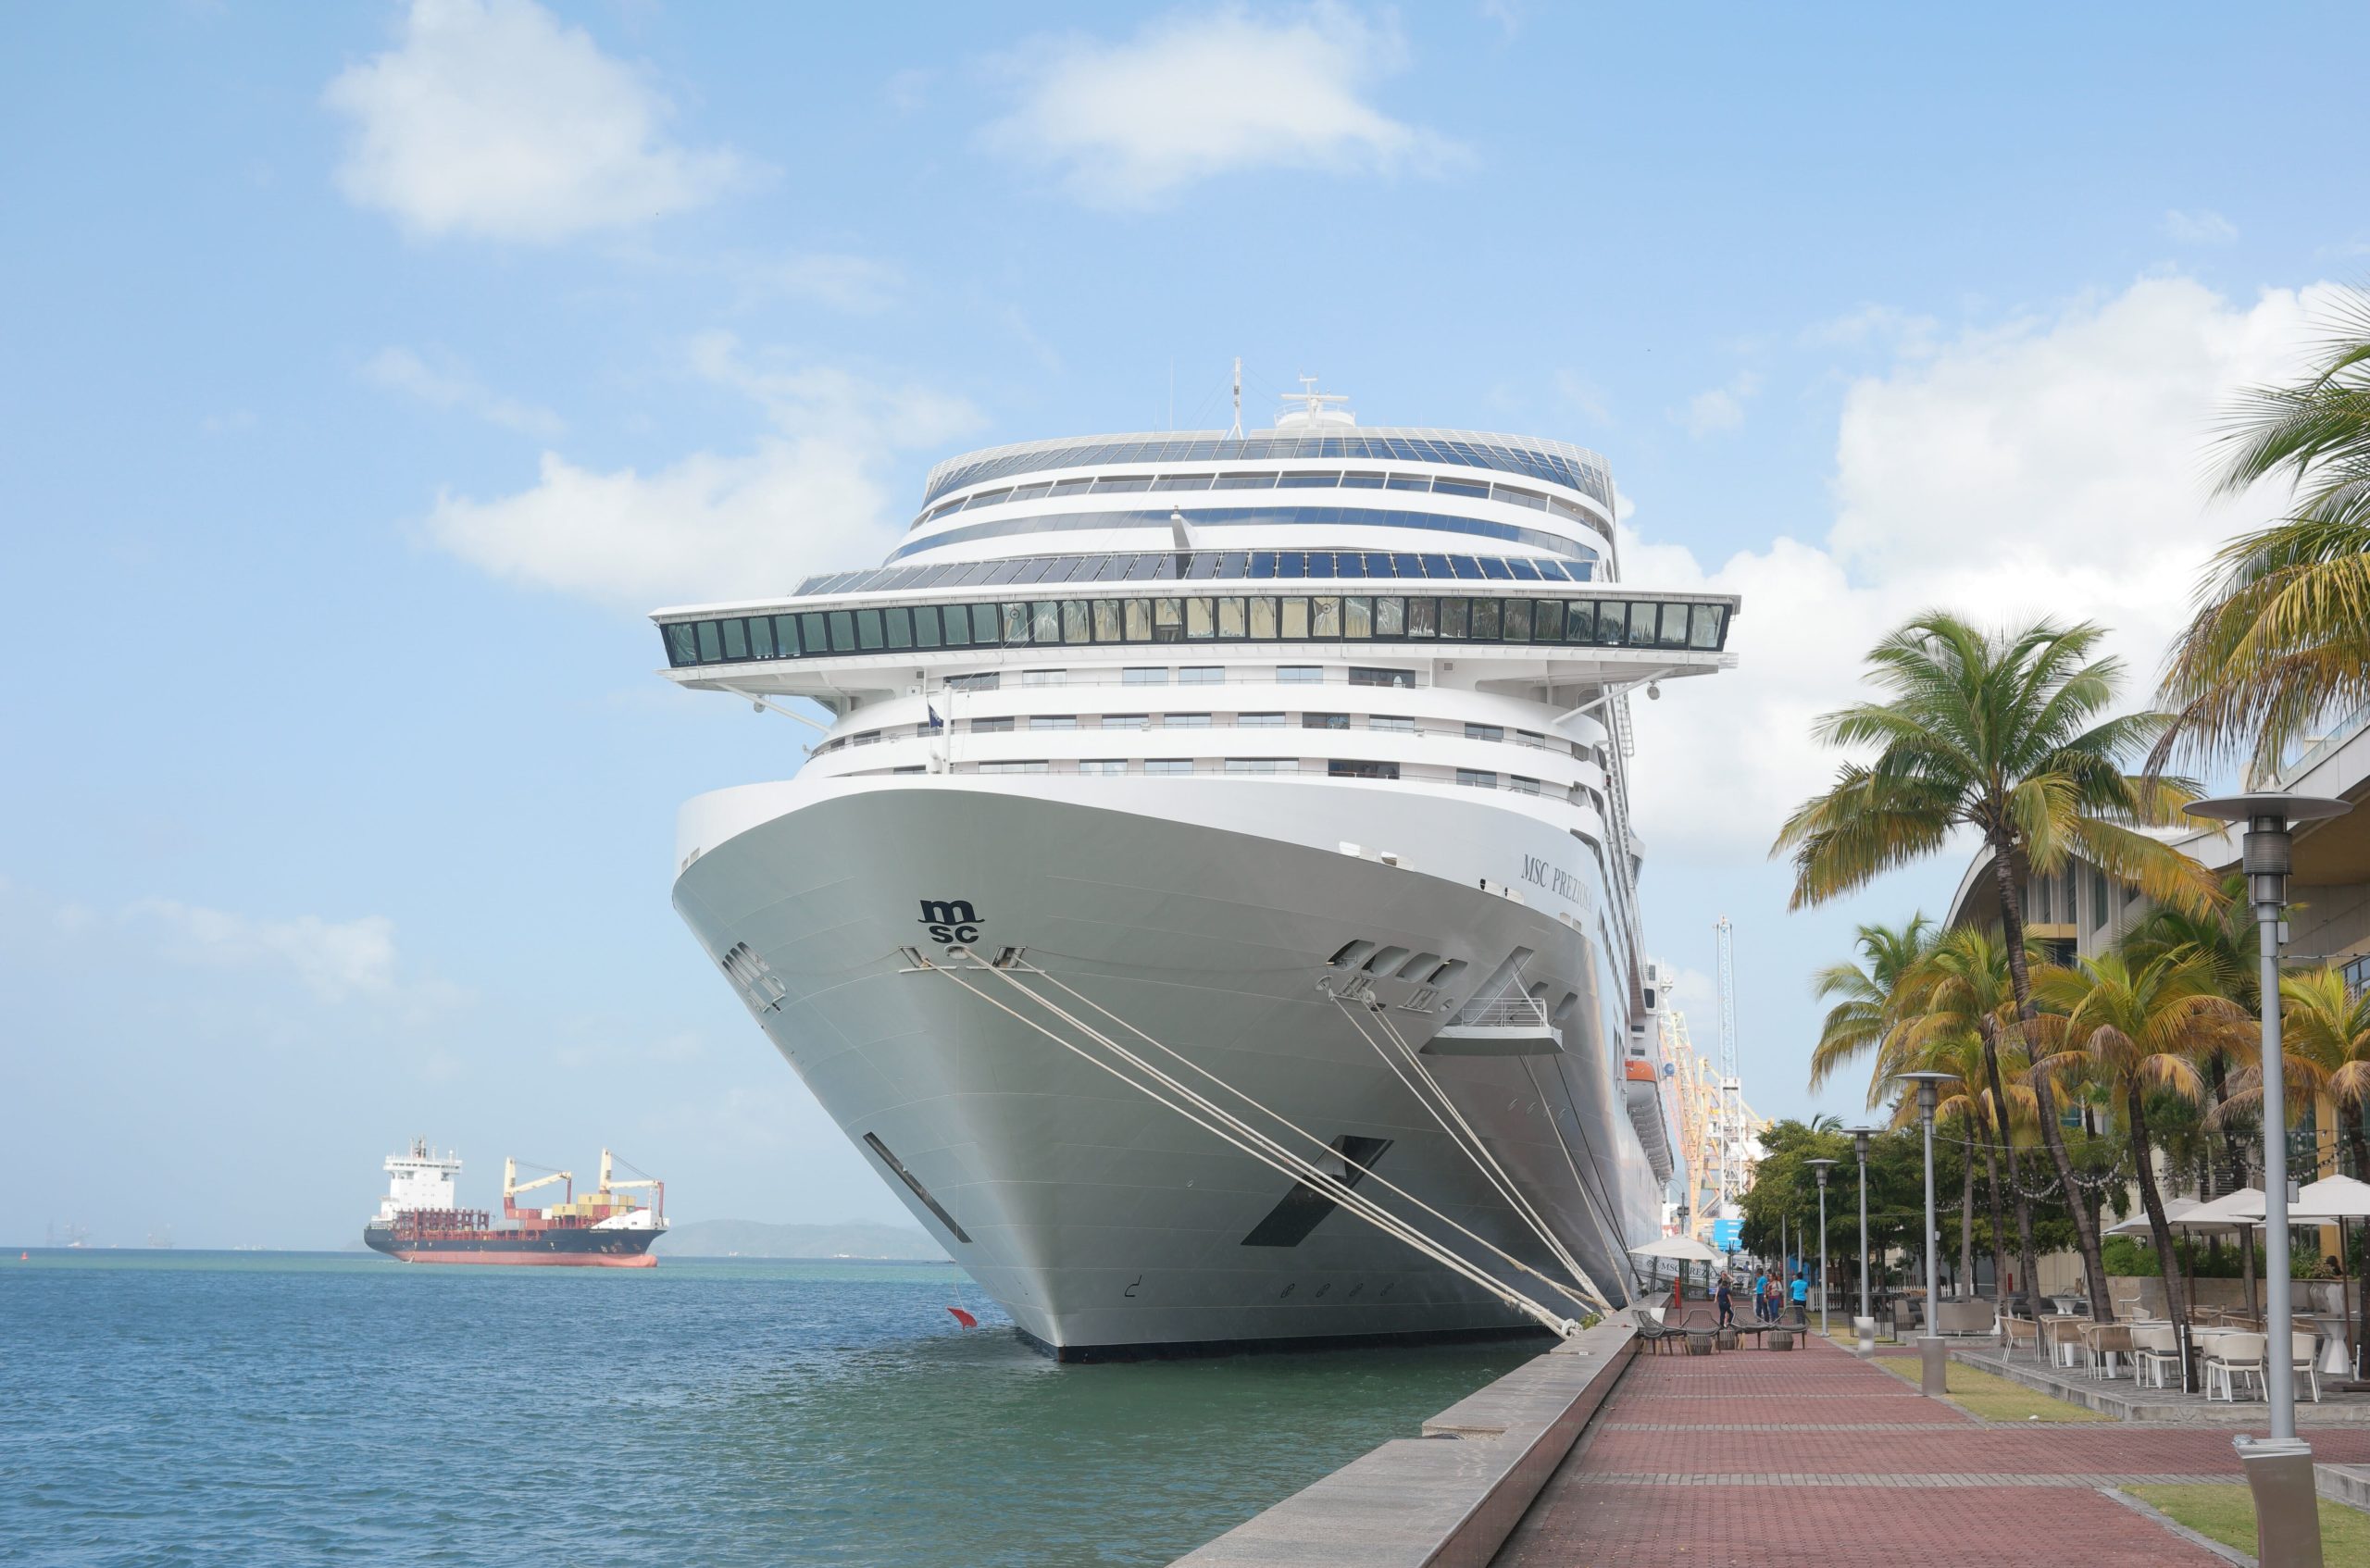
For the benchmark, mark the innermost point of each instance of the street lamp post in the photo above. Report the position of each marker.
(1822, 1167)
(1930, 1349)
(2288, 1530)
(1866, 1322)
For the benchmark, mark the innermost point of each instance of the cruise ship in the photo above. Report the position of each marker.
(1211, 903)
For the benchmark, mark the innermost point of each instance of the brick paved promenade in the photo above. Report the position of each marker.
(1813, 1460)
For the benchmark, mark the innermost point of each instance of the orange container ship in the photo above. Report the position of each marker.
(418, 1222)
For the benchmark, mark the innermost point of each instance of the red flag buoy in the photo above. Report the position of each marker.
(966, 1319)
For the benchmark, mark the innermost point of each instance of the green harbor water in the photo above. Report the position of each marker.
(269, 1408)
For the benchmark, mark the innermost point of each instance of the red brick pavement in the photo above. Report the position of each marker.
(1815, 1457)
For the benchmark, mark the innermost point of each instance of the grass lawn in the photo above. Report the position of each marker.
(1992, 1397)
(2226, 1513)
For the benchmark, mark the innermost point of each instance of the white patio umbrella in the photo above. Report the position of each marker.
(2174, 1209)
(2333, 1201)
(2241, 1211)
(1683, 1250)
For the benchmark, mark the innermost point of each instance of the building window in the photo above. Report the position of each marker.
(2357, 972)
(1169, 764)
(1325, 721)
(1340, 767)
(1476, 778)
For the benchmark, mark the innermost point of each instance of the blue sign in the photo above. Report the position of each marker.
(1726, 1234)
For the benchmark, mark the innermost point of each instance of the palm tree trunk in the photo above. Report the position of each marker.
(1991, 1038)
(2158, 1228)
(1998, 1229)
(1966, 1222)
(2086, 1228)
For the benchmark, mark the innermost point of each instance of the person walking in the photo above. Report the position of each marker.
(1727, 1307)
(1802, 1297)
(1760, 1295)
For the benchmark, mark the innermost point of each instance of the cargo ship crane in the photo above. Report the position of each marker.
(658, 1189)
(512, 1185)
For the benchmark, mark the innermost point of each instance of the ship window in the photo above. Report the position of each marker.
(711, 648)
(1547, 620)
(1325, 721)
(1139, 620)
(1102, 765)
(1044, 621)
(1395, 722)
(900, 627)
(1185, 721)
(1456, 620)
(1183, 481)
(1390, 616)
(1231, 618)
(1517, 620)
(1493, 568)
(1291, 563)
(1295, 618)
(1361, 675)
(1299, 675)
(1464, 567)
(1054, 721)
(1144, 675)
(1260, 765)
(1319, 563)
(1342, 767)
(1522, 786)
(1263, 563)
(1673, 625)
(1475, 777)
(1357, 615)
(1246, 481)
(1409, 481)
(1423, 618)
(1308, 481)
(1263, 619)
(912, 1184)
(1705, 630)
(1446, 486)
(1015, 623)
(957, 622)
(986, 681)
(1485, 620)
(1324, 616)
(1485, 732)
(1202, 675)
(1259, 721)
(1206, 564)
(813, 635)
(1355, 480)
(1169, 764)
(1168, 621)
(1106, 620)
(682, 644)
(867, 629)
(1349, 563)
(1046, 678)
(1349, 955)
(992, 726)
(843, 631)
(1075, 625)
(1126, 721)
(1419, 967)
(761, 637)
(1016, 768)
(1200, 619)
(926, 626)
(1123, 482)
(1385, 961)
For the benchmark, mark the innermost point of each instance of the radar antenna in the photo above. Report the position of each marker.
(1311, 400)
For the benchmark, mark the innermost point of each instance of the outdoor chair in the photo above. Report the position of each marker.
(1652, 1334)
(2063, 1337)
(2101, 1342)
(2307, 1348)
(2021, 1331)
(2127, 1308)
(2155, 1349)
(2231, 1356)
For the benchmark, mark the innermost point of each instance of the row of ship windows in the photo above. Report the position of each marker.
(1452, 451)
(1252, 517)
(1332, 767)
(1255, 617)
(1399, 723)
(1125, 484)
(1174, 566)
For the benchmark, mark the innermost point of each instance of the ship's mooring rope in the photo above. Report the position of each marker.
(1593, 1303)
(1462, 1134)
(1206, 1114)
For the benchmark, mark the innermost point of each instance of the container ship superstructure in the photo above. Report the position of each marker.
(1212, 906)
(419, 1221)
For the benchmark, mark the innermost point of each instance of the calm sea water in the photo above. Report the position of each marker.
(269, 1408)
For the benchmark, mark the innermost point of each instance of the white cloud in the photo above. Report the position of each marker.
(491, 118)
(2051, 466)
(2200, 228)
(399, 370)
(1195, 95)
(1721, 408)
(335, 960)
(809, 494)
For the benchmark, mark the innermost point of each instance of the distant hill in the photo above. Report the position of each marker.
(752, 1239)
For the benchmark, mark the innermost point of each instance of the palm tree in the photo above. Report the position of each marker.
(2281, 635)
(2328, 1025)
(1963, 989)
(2001, 734)
(2225, 937)
(2134, 1029)
(1865, 994)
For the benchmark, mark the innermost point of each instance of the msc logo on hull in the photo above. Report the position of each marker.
(950, 920)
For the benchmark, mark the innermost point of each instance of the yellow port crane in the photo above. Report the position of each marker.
(512, 1185)
(610, 1185)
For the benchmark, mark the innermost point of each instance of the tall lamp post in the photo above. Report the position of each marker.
(2288, 1529)
(1866, 1322)
(1822, 1167)
(1930, 1348)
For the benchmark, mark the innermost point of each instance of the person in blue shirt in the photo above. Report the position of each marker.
(1760, 1295)
(1802, 1297)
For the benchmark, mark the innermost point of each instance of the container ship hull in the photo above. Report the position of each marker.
(578, 1248)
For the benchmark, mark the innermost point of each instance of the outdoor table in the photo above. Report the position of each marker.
(2336, 1349)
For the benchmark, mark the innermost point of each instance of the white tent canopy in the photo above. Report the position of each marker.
(2241, 1210)
(2330, 1199)
(1686, 1249)
(2175, 1210)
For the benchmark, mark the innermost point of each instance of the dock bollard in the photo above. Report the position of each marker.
(1866, 1327)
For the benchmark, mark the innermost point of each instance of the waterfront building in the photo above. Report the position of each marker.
(1293, 766)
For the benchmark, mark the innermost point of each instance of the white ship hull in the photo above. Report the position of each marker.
(1204, 911)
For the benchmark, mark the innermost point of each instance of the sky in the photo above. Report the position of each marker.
(366, 372)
